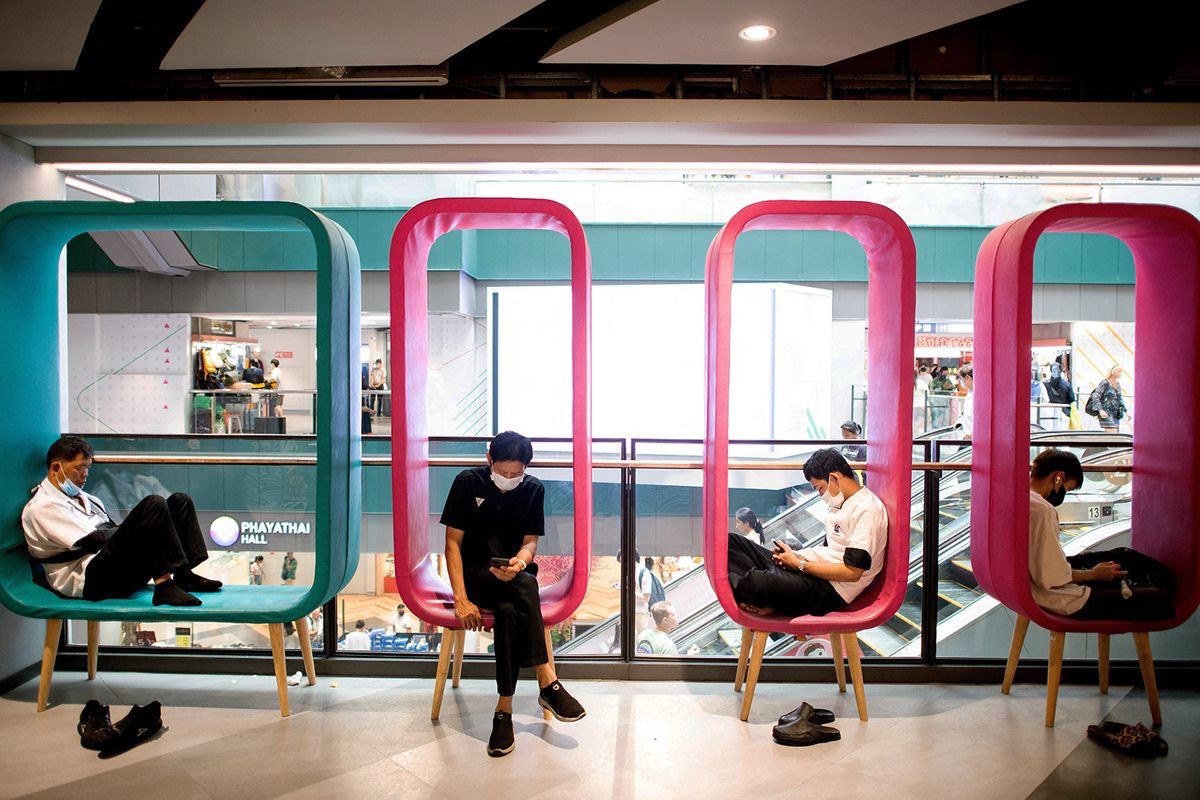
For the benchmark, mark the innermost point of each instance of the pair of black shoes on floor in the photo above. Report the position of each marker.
(805, 725)
(177, 591)
(554, 698)
(97, 733)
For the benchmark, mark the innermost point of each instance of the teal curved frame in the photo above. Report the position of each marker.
(32, 304)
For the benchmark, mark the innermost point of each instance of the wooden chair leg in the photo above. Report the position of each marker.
(1014, 652)
(276, 631)
(443, 666)
(546, 715)
(460, 645)
(1141, 641)
(1102, 644)
(743, 659)
(850, 644)
(835, 641)
(93, 647)
(1054, 673)
(756, 657)
(310, 668)
(49, 651)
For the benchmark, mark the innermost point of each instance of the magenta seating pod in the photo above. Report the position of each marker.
(426, 593)
(1165, 243)
(891, 260)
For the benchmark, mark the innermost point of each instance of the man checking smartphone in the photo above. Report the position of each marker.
(493, 517)
(816, 580)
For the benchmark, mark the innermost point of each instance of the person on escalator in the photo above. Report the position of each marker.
(816, 580)
(1108, 584)
(966, 418)
(745, 522)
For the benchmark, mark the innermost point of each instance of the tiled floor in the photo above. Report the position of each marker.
(371, 738)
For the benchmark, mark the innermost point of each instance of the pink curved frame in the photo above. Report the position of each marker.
(1165, 243)
(423, 590)
(892, 264)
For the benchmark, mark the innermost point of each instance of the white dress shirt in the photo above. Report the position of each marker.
(53, 523)
(1049, 571)
(861, 524)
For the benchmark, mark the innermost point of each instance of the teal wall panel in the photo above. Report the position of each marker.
(673, 252)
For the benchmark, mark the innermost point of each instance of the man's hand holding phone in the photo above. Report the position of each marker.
(507, 568)
(785, 556)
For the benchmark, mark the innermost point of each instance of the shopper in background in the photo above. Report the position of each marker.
(403, 622)
(966, 418)
(288, 571)
(256, 571)
(1108, 401)
(1059, 391)
(745, 522)
(377, 383)
(357, 639)
(657, 641)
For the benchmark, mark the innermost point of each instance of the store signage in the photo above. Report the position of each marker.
(283, 354)
(226, 531)
(945, 340)
(218, 327)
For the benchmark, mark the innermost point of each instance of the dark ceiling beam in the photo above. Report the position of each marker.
(133, 36)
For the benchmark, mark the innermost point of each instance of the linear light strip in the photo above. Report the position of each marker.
(97, 190)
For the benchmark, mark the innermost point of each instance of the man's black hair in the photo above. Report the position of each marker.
(358, 626)
(852, 426)
(825, 462)
(1052, 460)
(511, 446)
(275, 362)
(67, 448)
(967, 372)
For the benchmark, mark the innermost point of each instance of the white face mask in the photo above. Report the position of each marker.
(506, 484)
(834, 500)
(69, 488)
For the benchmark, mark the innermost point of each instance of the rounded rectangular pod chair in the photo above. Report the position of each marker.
(424, 592)
(891, 261)
(1165, 243)
(32, 238)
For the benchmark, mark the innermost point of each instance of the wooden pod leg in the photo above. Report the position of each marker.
(743, 659)
(839, 669)
(93, 647)
(310, 668)
(1014, 652)
(756, 657)
(460, 644)
(1054, 674)
(1141, 640)
(49, 651)
(276, 631)
(850, 644)
(445, 651)
(1103, 646)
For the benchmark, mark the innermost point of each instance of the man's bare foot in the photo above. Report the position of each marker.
(762, 612)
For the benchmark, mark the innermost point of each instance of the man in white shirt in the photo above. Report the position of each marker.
(1093, 585)
(86, 554)
(403, 622)
(816, 580)
(358, 639)
(377, 381)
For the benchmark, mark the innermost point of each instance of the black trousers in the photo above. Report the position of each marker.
(519, 635)
(1151, 584)
(758, 581)
(159, 536)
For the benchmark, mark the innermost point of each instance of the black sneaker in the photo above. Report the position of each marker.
(501, 742)
(558, 701)
(140, 724)
(817, 716)
(94, 726)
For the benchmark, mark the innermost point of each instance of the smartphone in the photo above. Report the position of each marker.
(778, 544)
(500, 563)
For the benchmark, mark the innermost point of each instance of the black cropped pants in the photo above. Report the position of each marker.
(758, 581)
(519, 635)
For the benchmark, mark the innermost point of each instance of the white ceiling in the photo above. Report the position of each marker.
(43, 34)
(810, 32)
(244, 34)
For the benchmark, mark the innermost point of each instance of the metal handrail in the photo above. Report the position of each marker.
(551, 463)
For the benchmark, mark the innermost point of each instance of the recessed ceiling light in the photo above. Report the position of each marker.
(757, 33)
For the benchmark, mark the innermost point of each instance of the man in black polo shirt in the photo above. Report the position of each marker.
(494, 514)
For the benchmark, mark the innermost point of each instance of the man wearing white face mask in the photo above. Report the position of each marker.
(816, 580)
(86, 554)
(493, 517)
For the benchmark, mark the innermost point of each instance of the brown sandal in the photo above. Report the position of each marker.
(1136, 740)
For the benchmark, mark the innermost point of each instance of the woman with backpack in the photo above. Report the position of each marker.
(1107, 403)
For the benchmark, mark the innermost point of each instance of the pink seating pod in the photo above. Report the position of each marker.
(424, 592)
(1165, 243)
(891, 259)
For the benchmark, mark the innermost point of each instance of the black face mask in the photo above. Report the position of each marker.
(1056, 496)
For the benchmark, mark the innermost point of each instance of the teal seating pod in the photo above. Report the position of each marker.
(32, 302)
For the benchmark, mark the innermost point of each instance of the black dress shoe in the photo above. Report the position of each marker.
(501, 742)
(817, 716)
(559, 702)
(94, 726)
(802, 733)
(140, 724)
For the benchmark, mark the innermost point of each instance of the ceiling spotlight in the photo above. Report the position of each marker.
(757, 33)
